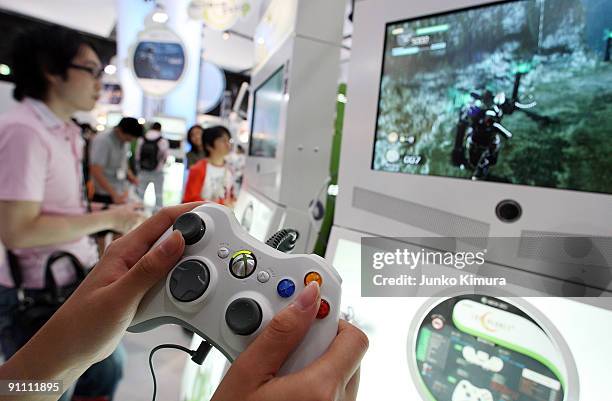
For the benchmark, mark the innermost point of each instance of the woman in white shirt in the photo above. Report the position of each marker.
(210, 179)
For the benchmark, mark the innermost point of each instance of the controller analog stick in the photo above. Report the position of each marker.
(243, 316)
(189, 280)
(191, 226)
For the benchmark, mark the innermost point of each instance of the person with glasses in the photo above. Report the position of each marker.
(43, 210)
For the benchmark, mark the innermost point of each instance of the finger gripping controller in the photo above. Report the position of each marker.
(228, 286)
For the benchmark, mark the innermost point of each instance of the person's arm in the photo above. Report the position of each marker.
(90, 325)
(195, 182)
(23, 225)
(165, 151)
(97, 173)
(131, 176)
(99, 156)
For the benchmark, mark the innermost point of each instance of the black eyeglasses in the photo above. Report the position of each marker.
(95, 72)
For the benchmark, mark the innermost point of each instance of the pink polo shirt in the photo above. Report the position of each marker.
(40, 161)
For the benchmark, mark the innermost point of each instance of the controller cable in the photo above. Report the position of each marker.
(284, 240)
(198, 356)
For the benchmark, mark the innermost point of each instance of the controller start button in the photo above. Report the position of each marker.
(313, 276)
(189, 280)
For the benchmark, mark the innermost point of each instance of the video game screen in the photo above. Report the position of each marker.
(268, 100)
(459, 364)
(516, 92)
(159, 60)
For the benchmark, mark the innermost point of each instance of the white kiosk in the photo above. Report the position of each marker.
(425, 83)
(293, 94)
(291, 114)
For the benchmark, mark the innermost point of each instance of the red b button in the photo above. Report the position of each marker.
(323, 309)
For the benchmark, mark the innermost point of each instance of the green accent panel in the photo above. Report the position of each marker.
(452, 379)
(334, 164)
(458, 347)
(422, 344)
(432, 29)
(513, 347)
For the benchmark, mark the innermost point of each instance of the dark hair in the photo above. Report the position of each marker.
(210, 135)
(48, 49)
(87, 127)
(130, 126)
(156, 126)
(189, 134)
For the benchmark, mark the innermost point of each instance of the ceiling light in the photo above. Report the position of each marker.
(5, 69)
(110, 69)
(160, 17)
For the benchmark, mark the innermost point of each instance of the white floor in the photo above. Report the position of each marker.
(137, 384)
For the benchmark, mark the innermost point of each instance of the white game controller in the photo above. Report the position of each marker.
(466, 391)
(228, 286)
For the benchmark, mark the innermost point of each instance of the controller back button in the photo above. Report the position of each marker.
(191, 226)
(189, 280)
(243, 316)
(223, 252)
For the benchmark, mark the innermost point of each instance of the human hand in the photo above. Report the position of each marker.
(332, 377)
(88, 327)
(119, 199)
(127, 216)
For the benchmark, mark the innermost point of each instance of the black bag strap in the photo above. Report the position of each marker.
(156, 140)
(76, 264)
(15, 268)
(50, 283)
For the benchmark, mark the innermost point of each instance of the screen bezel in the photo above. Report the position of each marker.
(254, 109)
(379, 93)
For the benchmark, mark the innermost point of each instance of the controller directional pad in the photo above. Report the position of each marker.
(189, 280)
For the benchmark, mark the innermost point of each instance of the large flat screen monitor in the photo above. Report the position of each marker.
(516, 92)
(265, 127)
